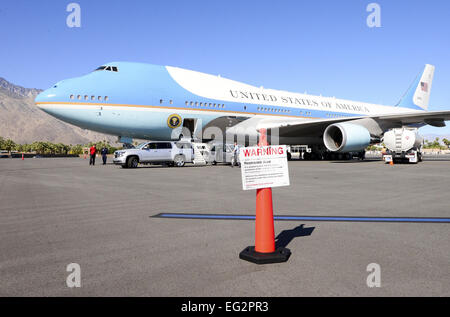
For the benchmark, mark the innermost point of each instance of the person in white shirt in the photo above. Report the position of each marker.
(234, 159)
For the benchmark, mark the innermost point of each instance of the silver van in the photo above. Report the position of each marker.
(155, 152)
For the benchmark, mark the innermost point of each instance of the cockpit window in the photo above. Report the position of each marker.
(107, 68)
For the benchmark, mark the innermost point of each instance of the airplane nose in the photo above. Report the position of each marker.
(45, 96)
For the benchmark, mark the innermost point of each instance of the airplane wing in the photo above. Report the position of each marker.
(434, 118)
(309, 127)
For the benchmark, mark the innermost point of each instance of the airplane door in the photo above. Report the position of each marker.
(189, 125)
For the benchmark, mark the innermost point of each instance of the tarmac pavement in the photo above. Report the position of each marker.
(57, 211)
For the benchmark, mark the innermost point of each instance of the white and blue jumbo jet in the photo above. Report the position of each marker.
(144, 101)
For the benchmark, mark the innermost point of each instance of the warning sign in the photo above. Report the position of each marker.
(263, 167)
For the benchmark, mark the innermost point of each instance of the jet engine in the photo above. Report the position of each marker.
(346, 137)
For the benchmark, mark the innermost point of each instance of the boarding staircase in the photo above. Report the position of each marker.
(201, 153)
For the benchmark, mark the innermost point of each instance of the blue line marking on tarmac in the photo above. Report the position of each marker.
(305, 218)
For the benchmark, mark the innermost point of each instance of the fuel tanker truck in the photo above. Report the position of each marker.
(403, 145)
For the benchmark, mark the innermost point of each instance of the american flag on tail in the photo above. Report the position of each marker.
(424, 86)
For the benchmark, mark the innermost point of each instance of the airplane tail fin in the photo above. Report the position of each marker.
(418, 95)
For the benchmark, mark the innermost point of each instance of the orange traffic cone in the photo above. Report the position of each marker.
(391, 162)
(264, 251)
(264, 227)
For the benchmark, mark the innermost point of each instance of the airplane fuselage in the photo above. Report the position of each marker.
(147, 101)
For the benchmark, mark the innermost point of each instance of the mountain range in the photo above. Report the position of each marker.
(23, 122)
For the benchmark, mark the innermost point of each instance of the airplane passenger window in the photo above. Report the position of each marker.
(79, 97)
(92, 97)
(160, 101)
(86, 97)
(71, 96)
(114, 68)
(99, 98)
(106, 98)
(171, 102)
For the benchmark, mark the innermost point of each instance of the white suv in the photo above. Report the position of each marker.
(155, 152)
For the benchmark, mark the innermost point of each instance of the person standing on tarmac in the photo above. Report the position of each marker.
(104, 152)
(234, 159)
(93, 152)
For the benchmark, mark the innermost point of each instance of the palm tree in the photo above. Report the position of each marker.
(446, 142)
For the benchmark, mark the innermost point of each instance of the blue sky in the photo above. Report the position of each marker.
(321, 47)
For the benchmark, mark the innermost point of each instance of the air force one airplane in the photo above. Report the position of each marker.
(144, 101)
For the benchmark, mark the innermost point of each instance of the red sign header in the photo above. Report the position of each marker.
(263, 151)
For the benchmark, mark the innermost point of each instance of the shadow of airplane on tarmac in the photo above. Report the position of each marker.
(286, 236)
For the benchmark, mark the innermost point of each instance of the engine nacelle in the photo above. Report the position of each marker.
(346, 137)
(402, 139)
